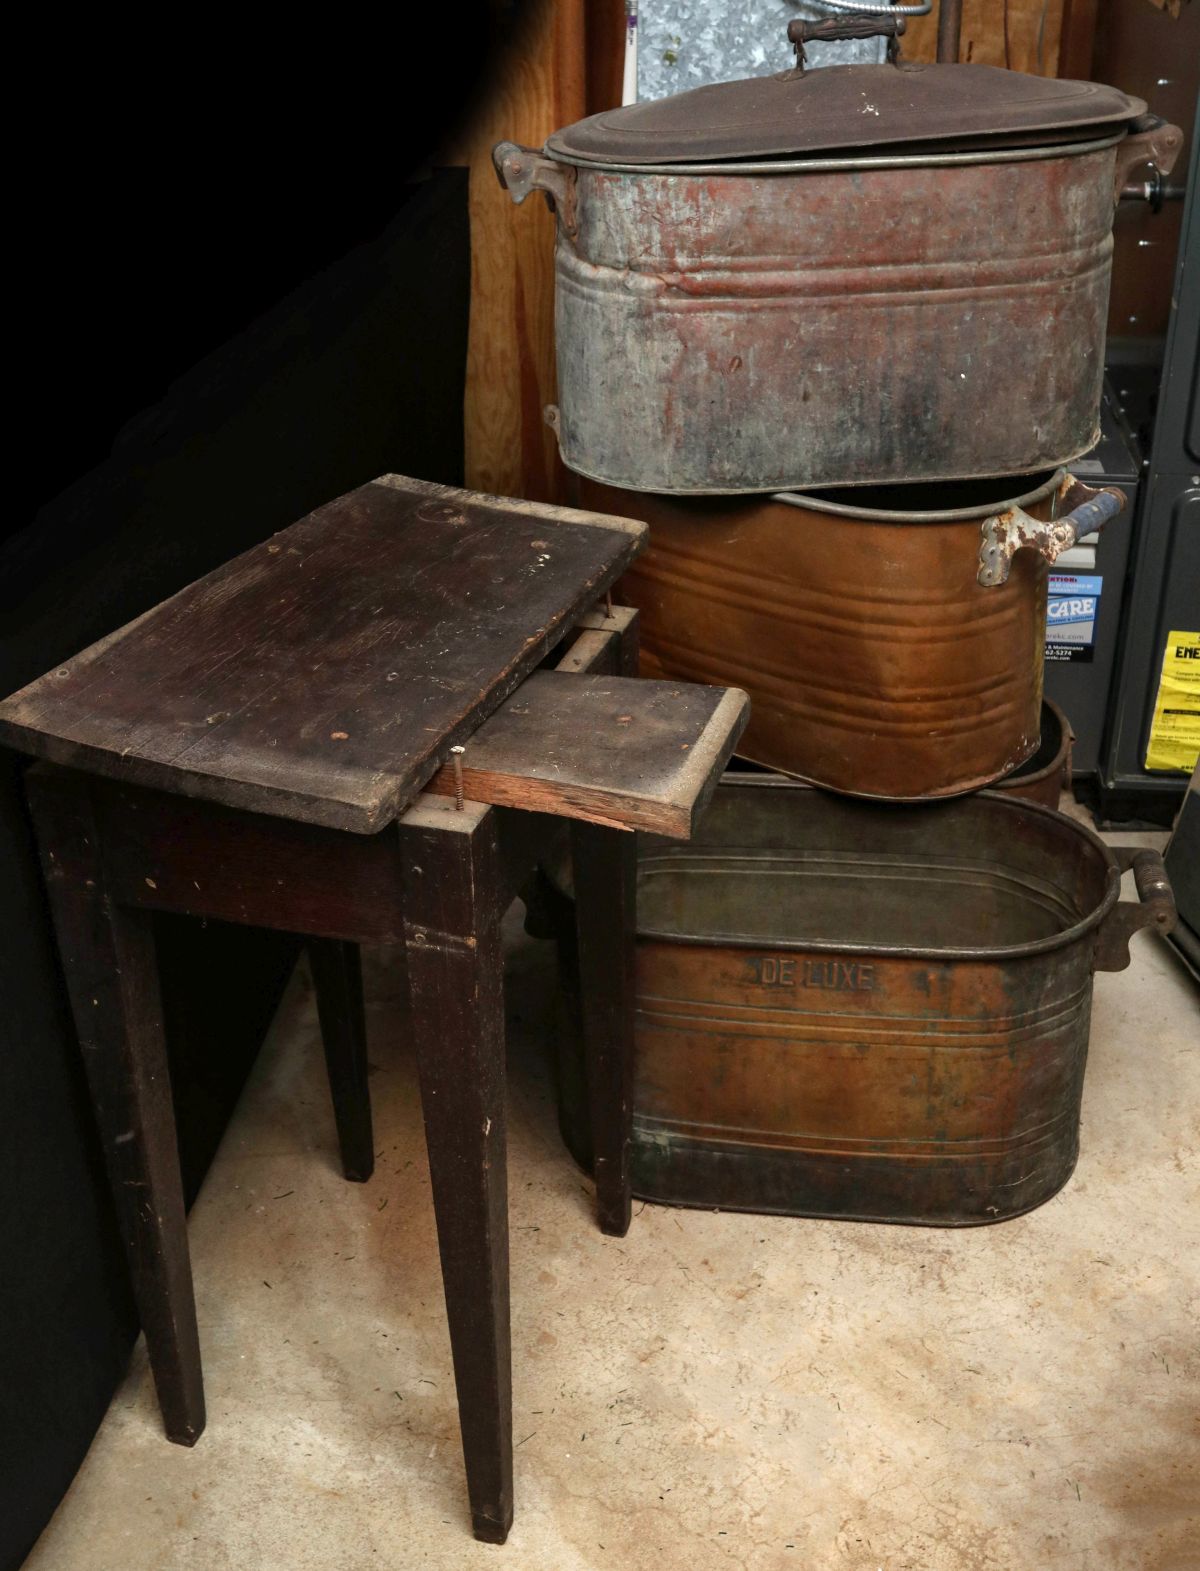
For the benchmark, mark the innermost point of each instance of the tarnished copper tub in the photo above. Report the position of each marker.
(852, 1011)
(877, 660)
(1043, 778)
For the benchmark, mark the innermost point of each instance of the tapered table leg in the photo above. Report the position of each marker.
(605, 877)
(109, 961)
(337, 977)
(452, 911)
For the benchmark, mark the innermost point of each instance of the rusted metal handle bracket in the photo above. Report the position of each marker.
(1004, 534)
(523, 169)
(1154, 907)
(1151, 141)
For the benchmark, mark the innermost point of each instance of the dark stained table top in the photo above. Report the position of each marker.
(324, 675)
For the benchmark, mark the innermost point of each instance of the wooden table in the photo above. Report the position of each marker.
(254, 750)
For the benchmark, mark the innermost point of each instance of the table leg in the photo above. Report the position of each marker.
(605, 877)
(109, 962)
(629, 656)
(452, 911)
(337, 977)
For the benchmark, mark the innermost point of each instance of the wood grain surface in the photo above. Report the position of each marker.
(562, 63)
(604, 867)
(1020, 34)
(323, 675)
(604, 643)
(453, 903)
(611, 750)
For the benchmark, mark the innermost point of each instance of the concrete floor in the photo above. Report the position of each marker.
(715, 1391)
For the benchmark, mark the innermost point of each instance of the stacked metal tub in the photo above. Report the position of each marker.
(835, 335)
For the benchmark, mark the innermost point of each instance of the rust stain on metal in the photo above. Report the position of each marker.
(1044, 777)
(1158, 145)
(762, 332)
(522, 170)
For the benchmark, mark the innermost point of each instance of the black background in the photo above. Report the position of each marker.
(165, 191)
(240, 287)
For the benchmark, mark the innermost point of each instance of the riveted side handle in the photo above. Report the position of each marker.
(1150, 141)
(1154, 907)
(523, 169)
(1004, 534)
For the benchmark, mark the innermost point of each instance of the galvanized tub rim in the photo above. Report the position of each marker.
(551, 417)
(946, 515)
(1039, 946)
(799, 166)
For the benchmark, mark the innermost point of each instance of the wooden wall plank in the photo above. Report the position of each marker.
(563, 62)
(537, 86)
(1021, 34)
(1077, 45)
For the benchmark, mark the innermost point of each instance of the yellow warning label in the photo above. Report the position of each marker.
(1175, 734)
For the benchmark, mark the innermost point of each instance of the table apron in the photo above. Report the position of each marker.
(163, 852)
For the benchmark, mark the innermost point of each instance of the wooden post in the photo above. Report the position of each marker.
(605, 874)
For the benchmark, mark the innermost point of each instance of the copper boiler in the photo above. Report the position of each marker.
(891, 644)
(853, 1011)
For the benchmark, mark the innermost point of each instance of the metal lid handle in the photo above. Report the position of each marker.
(835, 28)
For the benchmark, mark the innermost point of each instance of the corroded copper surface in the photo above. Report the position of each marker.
(843, 1011)
(1047, 774)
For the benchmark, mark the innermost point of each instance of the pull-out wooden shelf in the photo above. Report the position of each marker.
(611, 750)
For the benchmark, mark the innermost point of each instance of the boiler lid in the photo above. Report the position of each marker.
(850, 109)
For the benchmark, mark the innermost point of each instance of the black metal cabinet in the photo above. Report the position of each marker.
(1164, 590)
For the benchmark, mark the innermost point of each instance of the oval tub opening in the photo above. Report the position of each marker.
(786, 865)
(934, 496)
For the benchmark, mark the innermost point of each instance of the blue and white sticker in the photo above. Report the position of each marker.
(1071, 611)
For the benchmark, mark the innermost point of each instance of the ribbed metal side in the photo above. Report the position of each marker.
(756, 333)
(876, 663)
(843, 1012)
